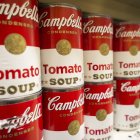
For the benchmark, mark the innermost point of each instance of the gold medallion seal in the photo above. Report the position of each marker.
(15, 43)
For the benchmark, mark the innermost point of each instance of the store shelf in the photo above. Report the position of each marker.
(118, 9)
(127, 135)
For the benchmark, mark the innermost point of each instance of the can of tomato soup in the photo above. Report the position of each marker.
(126, 50)
(127, 104)
(19, 49)
(97, 42)
(63, 115)
(61, 46)
(21, 118)
(98, 111)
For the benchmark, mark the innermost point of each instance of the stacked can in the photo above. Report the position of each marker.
(62, 71)
(127, 75)
(98, 66)
(20, 73)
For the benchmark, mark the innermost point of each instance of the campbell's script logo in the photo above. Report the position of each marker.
(123, 32)
(19, 121)
(127, 87)
(11, 10)
(98, 96)
(89, 27)
(71, 21)
(57, 104)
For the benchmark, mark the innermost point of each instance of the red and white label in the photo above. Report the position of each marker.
(20, 74)
(98, 54)
(127, 104)
(98, 98)
(61, 70)
(23, 122)
(66, 107)
(126, 45)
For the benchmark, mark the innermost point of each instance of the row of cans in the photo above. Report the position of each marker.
(62, 69)
(62, 49)
(76, 114)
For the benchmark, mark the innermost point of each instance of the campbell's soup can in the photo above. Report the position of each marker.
(98, 111)
(126, 50)
(63, 115)
(21, 118)
(20, 73)
(127, 104)
(61, 46)
(97, 43)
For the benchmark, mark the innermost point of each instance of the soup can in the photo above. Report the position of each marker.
(63, 114)
(97, 42)
(61, 46)
(21, 118)
(20, 72)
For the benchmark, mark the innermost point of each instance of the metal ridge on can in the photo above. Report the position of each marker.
(87, 14)
(54, 4)
(63, 90)
(128, 23)
(20, 99)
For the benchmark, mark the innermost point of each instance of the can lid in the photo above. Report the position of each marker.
(128, 23)
(55, 4)
(63, 90)
(7, 101)
(87, 15)
(98, 83)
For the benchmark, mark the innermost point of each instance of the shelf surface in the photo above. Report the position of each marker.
(127, 135)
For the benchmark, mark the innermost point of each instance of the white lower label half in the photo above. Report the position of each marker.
(63, 135)
(99, 130)
(126, 65)
(20, 75)
(98, 68)
(126, 117)
(62, 71)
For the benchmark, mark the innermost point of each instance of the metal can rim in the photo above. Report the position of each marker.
(99, 83)
(126, 78)
(63, 90)
(8, 101)
(88, 15)
(128, 23)
(54, 4)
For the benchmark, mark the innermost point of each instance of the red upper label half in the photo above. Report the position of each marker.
(61, 108)
(127, 91)
(98, 97)
(20, 17)
(97, 31)
(60, 22)
(22, 120)
(126, 36)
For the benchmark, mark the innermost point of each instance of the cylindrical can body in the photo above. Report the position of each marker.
(21, 118)
(63, 115)
(127, 104)
(61, 46)
(97, 43)
(126, 50)
(98, 111)
(19, 49)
